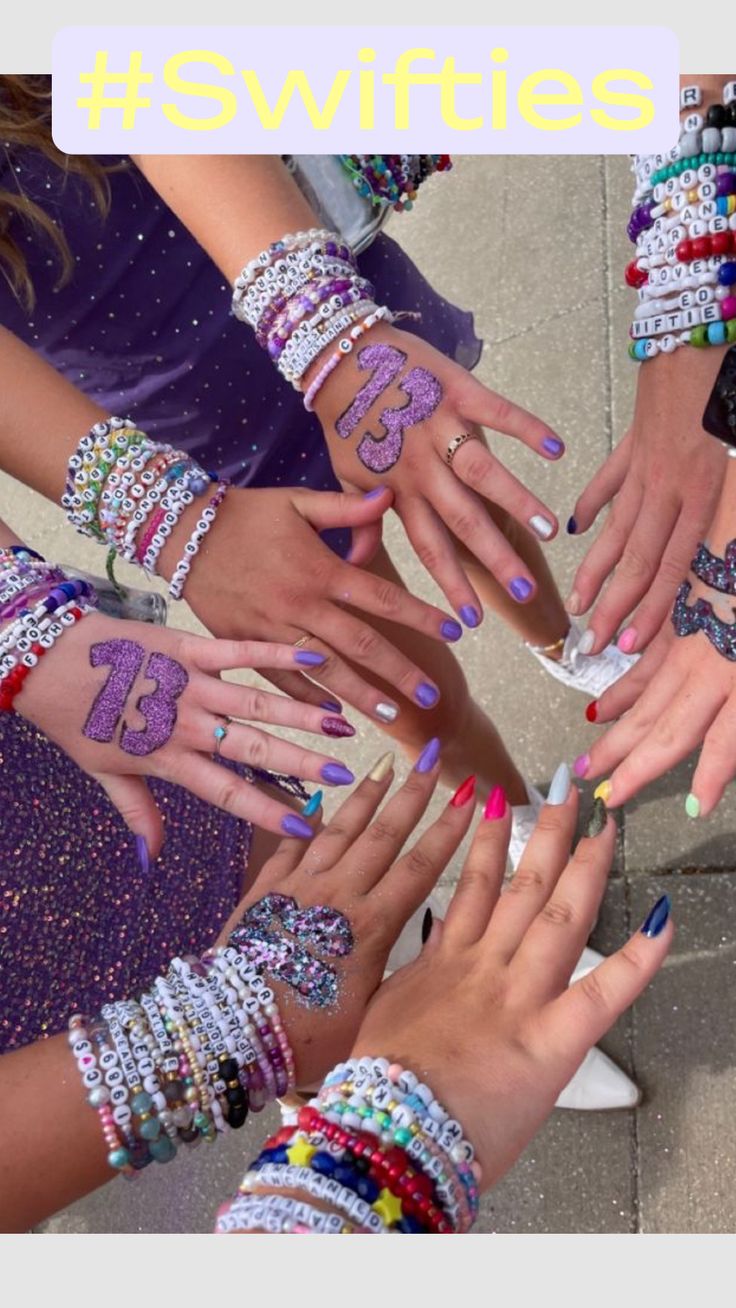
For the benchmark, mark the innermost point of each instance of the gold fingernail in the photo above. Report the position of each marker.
(572, 604)
(603, 791)
(382, 767)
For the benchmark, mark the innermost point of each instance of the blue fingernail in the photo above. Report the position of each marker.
(336, 774)
(331, 706)
(309, 658)
(552, 446)
(426, 695)
(470, 615)
(572, 526)
(657, 919)
(450, 630)
(428, 756)
(144, 858)
(373, 494)
(520, 588)
(312, 804)
(560, 785)
(296, 826)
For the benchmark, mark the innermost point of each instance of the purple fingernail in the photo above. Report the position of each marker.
(296, 826)
(426, 695)
(373, 494)
(428, 756)
(309, 658)
(331, 705)
(450, 630)
(470, 615)
(144, 858)
(520, 588)
(552, 446)
(337, 727)
(336, 774)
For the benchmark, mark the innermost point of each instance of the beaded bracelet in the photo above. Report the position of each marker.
(344, 347)
(278, 1215)
(192, 547)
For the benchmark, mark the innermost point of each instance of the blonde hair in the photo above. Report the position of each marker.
(25, 123)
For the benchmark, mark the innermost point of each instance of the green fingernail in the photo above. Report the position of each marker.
(692, 806)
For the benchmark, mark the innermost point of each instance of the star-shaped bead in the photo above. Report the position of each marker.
(301, 1153)
(388, 1207)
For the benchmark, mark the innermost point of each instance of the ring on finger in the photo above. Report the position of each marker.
(220, 734)
(457, 442)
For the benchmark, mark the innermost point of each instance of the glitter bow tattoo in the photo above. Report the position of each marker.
(719, 574)
(700, 617)
(260, 938)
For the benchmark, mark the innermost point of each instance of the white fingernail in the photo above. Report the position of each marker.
(541, 526)
(560, 787)
(586, 642)
(386, 712)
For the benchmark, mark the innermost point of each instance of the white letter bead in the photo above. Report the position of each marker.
(692, 96)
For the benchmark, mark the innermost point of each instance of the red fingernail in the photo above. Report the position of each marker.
(495, 804)
(591, 711)
(464, 793)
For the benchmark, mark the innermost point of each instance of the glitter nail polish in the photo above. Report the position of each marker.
(337, 727)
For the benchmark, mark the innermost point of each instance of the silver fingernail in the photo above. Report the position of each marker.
(386, 712)
(541, 526)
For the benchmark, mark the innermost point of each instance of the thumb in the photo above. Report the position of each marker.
(137, 807)
(323, 509)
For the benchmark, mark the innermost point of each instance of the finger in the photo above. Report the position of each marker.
(659, 597)
(716, 765)
(341, 682)
(244, 744)
(601, 488)
(351, 818)
(325, 509)
(365, 646)
(433, 546)
(139, 811)
(605, 552)
(374, 852)
(574, 1022)
(634, 575)
(610, 748)
(297, 686)
(385, 599)
(224, 788)
(479, 887)
(466, 517)
(365, 543)
(483, 473)
(253, 705)
(291, 852)
(532, 884)
(624, 693)
(411, 878)
(479, 404)
(227, 655)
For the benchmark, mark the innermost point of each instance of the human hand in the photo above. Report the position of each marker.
(483, 1015)
(403, 442)
(355, 871)
(127, 700)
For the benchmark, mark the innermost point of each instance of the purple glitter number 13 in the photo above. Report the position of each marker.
(158, 707)
(379, 453)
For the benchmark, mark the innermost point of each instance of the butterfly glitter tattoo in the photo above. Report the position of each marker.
(260, 938)
(719, 574)
(700, 617)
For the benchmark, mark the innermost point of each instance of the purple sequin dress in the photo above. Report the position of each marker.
(144, 328)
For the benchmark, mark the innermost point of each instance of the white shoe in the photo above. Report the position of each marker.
(598, 1085)
(590, 673)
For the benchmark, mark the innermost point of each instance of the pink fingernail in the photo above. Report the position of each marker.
(627, 640)
(581, 765)
(495, 804)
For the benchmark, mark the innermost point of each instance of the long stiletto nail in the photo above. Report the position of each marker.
(520, 588)
(656, 919)
(572, 526)
(464, 793)
(591, 711)
(495, 804)
(312, 804)
(450, 630)
(541, 526)
(331, 705)
(336, 775)
(573, 604)
(427, 926)
(597, 819)
(586, 642)
(386, 712)
(603, 791)
(144, 858)
(627, 640)
(581, 765)
(553, 446)
(337, 727)
(309, 658)
(692, 805)
(426, 695)
(428, 757)
(296, 826)
(560, 785)
(382, 767)
(470, 615)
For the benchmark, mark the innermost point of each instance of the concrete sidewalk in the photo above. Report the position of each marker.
(536, 248)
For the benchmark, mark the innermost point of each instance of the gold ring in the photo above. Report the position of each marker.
(456, 442)
(301, 641)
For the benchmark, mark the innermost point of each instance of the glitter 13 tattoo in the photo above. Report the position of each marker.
(157, 707)
(379, 453)
(274, 935)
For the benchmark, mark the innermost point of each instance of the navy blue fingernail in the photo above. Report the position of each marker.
(520, 588)
(572, 526)
(450, 630)
(552, 446)
(312, 804)
(426, 695)
(309, 658)
(428, 756)
(296, 826)
(470, 615)
(657, 919)
(144, 858)
(331, 705)
(426, 926)
(336, 774)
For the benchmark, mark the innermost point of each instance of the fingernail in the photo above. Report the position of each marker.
(541, 526)
(560, 786)
(144, 858)
(571, 527)
(382, 767)
(450, 630)
(552, 446)
(428, 757)
(692, 806)
(591, 711)
(470, 615)
(597, 819)
(603, 791)
(464, 793)
(336, 774)
(331, 705)
(656, 920)
(386, 712)
(581, 765)
(426, 695)
(337, 727)
(426, 926)
(309, 658)
(495, 804)
(296, 826)
(586, 642)
(520, 588)
(627, 640)
(373, 494)
(312, 804)
(572, 604)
